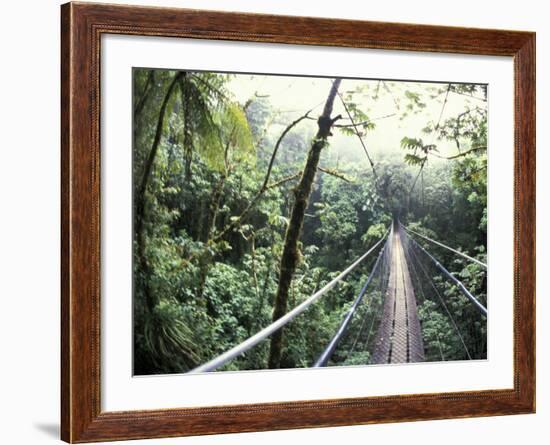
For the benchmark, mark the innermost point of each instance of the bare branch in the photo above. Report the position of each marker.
(354, 125)
(283, 180)
(277, 145)
(335, 173)
(236, 221)
(443, 107)
(460, 155)
(391, 94)
(360, 124)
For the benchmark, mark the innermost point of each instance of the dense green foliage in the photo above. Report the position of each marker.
(213, 189)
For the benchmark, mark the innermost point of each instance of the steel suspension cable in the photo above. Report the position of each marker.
(462, 254)
(329, 350)
(351, 350)
(451, 277)
(374, 313)
(383, 284)
(361, 330)
(415, 273)
(279, 323)
(444, 305)
(369, 334)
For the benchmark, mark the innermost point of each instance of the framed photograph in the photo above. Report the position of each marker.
(274, 222)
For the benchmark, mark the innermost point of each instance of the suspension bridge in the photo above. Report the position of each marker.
(383, 319)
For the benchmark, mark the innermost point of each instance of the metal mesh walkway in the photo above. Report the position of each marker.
(399, 338)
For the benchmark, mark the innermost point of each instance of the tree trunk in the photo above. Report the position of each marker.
(289, 258)
(205, 236)
(209, 223)
(187, 137)
(140, 198)
(149, 84)
(212, 209)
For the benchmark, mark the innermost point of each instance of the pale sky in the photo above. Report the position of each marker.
(296, 95)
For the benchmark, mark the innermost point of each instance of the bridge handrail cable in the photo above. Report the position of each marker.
(329, 350)
(462, 254)
(434, 287)
(279, 323)
(451, 277)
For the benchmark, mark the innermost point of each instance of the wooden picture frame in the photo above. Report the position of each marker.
(82, 25)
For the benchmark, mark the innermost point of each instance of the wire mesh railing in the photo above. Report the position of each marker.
(364, 307)
(252, 341)
(454, 321)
